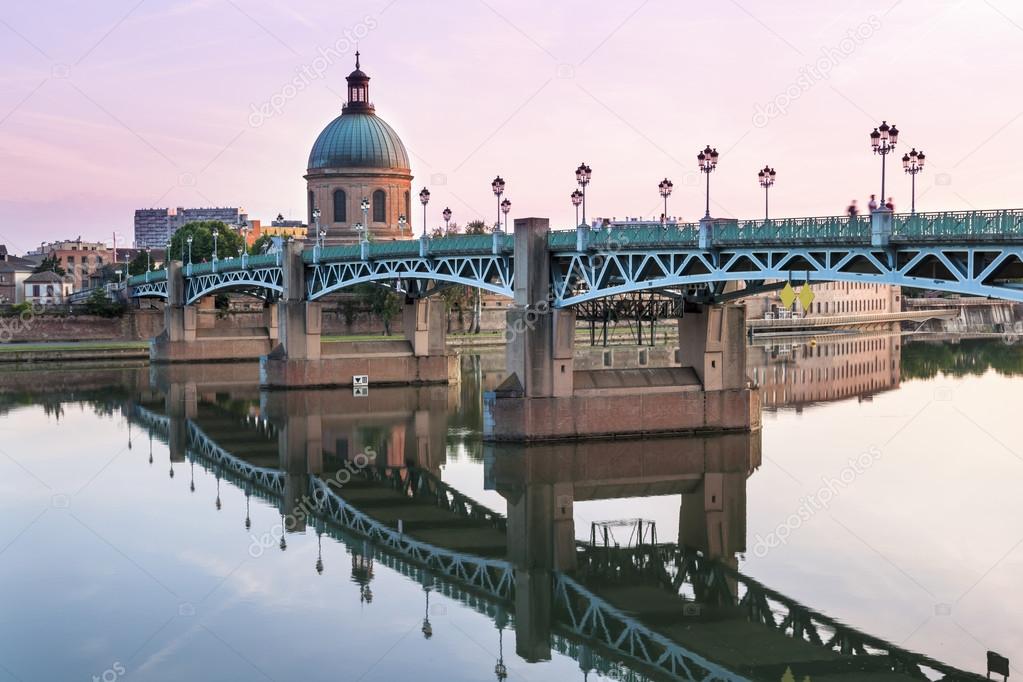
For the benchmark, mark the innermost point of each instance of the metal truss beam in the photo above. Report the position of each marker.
(488, 272)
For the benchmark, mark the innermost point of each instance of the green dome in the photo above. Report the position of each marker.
(361, 140)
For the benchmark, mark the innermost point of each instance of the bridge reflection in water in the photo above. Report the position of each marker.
(677, 611)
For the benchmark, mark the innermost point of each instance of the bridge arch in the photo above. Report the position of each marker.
(578, 278)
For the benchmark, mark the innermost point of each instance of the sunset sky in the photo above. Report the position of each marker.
(110, 106)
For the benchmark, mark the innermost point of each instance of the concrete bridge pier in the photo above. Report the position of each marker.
(183, 339)
(544, 398)
(300, 360)
(180, 405)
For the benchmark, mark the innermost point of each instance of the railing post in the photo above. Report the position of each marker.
(706, 240)
(498, 243)
(424, 246)
(880, 227)
(582, 238)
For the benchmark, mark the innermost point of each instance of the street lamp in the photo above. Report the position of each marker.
(498, 186)
(505, 207)
(447, 218)
(582, 177)
(316, 219)
(883, 141)
(402, 222)
(320, 237)
(364, 205)
(216, 233)
(577, 198)
(708, 160)
(424, 199)
(189, 240)
(665, 186)
(360, 229)
(167, 256)
(148, 266)
(766, 178)
(913, 163)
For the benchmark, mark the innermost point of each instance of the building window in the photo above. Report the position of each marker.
(379, 206)
(70, 261)
(340, 206)
(312, 205)
(35, 290)
(408, 208)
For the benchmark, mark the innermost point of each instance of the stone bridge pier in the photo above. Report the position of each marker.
(545, 398)
(301, 359)
(187, 338)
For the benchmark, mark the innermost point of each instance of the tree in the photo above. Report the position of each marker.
(261, 245)
(100, 304)
(139, 264)
(50, 264)
(476, 227)
(383, 303)
(228, 241)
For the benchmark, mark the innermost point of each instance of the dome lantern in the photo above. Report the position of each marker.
(358, 89)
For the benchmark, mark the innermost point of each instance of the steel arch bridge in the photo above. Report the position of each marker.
(975, 253)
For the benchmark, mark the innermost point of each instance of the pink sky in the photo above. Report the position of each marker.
(126, 105)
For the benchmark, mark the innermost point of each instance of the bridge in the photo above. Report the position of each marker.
(547, 274)
(676, 611)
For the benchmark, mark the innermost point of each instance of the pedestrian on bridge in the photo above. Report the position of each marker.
(890, 205)
(853, 211)
(873, 203)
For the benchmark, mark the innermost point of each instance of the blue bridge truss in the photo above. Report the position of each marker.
(975, 253)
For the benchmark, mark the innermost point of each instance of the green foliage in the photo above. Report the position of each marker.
(383, 303)
(139, 264)
(925, 360)
(100, 304)
(50, 264)
(477, 227)
(20, 308)
(264, 242)
(228, 241)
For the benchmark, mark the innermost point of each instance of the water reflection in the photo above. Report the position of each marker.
(314, 472)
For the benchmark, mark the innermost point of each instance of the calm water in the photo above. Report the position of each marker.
(882, 492)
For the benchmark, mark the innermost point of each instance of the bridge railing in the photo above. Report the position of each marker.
(151, 276)
(812, 230)
(1002, 225)
(679, 568)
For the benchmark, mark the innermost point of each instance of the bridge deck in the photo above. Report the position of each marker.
(726, 636)
(422, 519)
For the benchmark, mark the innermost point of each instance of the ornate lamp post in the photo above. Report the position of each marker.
(582, 177)
(402, 222)
(577, 198)
(316, 221)
(167, 256)
(766, 178)
(708, 160)
(216, 233)
(148, 266)
(913, 163)
(505, 207)
(424, 199)
(883, 141)
(498, 186)
(360, 229)
(364, 205)
(665, 186)
(189, 240)
(447, 218)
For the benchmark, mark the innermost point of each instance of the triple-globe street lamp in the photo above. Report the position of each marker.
(766, 178)
(665, 186)
(913, 163)
(708, 160)
(883, 140)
